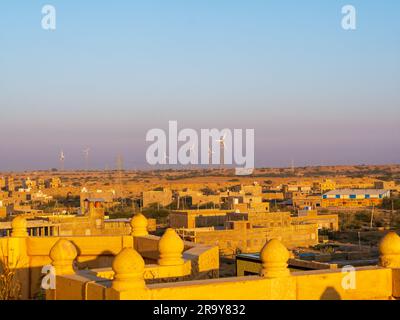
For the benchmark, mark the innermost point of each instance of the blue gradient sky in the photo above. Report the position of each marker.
(110, 72)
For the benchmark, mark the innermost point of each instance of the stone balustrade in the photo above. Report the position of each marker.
(274, 282)
(139, 257)
(28, 255)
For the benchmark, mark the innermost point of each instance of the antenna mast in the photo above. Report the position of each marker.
(86, 155)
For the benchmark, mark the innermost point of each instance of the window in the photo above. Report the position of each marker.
(353, 196)
(249, 273)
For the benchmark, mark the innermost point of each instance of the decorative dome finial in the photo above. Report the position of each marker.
(170, 248)
(19, 227)
(63, 254)
(128, 267)
(139, 225)
(389, 248)
(274, 257)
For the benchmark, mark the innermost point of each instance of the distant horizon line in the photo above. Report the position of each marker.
(215, 168)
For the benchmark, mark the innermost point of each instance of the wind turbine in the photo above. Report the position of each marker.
(165, 158)
(191, 152)
(62, 158)
(86, 155)
(210, 153)
(222, 140)
(222, 148)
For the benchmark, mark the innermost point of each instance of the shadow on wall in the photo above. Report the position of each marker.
(330, 293)
(103, 260)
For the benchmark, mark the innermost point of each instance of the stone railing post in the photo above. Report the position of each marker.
(139, 225)
(274, 257)
(128, 282)
(170, 248)
(63, 254)
(19, 227)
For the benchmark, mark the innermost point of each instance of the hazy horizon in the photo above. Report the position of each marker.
(177, 168)
(314, 93)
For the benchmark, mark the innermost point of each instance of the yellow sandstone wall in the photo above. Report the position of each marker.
(253, 239)
(274, 281)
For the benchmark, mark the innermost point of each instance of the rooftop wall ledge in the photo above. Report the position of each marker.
(389, 249)
(63, 254)
(274, 257)
(170, 247)
(139, 225)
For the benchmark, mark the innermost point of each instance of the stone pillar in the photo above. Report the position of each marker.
(274, 257)
(139, 225)
(63, 254)
(170, 248)
(128, 268)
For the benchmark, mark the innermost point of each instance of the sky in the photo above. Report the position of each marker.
(112, 70)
